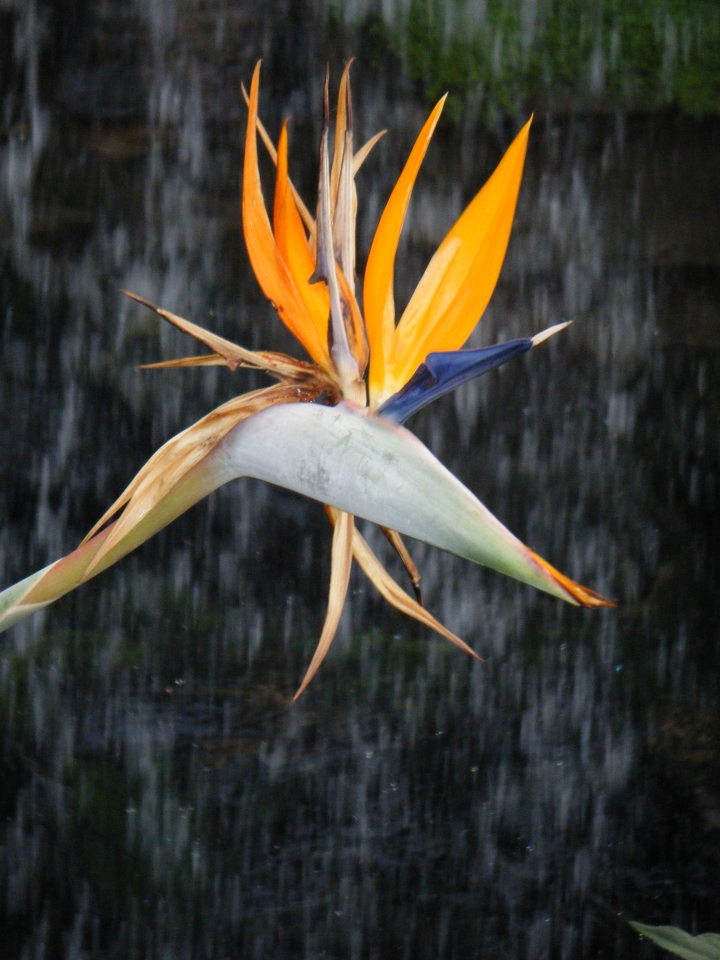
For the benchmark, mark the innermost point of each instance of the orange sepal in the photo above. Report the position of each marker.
(269, 268)
(583, 595)
(461, 277)
(378, 285)
(295, 249)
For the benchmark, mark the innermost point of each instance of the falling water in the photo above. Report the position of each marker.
(159, 794)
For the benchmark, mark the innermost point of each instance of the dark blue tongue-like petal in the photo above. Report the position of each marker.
(446, 370)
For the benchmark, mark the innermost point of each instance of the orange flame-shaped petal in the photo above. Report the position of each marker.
(378, 288)
(295, 249)
(268, 265)
(460, 278)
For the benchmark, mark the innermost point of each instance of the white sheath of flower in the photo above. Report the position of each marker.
(379, 471)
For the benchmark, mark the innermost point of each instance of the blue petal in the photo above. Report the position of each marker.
(444, 371)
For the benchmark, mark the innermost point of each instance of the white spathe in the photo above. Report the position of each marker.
(344, 456)
(375, 469)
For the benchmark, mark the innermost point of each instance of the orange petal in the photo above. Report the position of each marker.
(270, 270)
(294, 247)
(295, 251)
(378, 287)
(461, 277)
(342, 551)
(305, 214)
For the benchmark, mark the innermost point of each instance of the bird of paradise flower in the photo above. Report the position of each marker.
(331, 428)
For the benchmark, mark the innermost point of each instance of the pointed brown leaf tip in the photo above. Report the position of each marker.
(326, 96)
(323, 216)
(396, 542)
(349, 105)
(207, 360)
(342, 552)
(364, 151)
(342, 188)
(345, 363)
(142, 300)
(393, 592)
(344, 219)
(278, 365)
(339, 138)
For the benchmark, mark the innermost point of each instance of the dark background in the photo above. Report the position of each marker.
(159, 794)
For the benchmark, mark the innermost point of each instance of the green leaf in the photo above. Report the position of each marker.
(706, 946)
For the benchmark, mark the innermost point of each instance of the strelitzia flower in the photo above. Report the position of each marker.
(331, 428)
